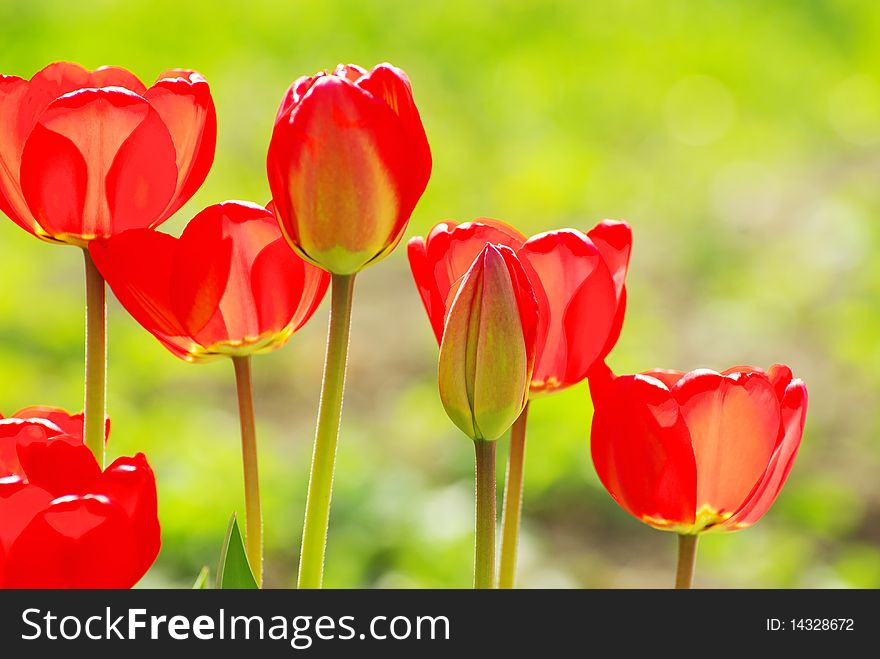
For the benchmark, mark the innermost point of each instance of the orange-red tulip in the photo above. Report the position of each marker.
(230, 285)
(347, 163)
(487, 351)
(698, 451)
(578, 280)
(86, 154)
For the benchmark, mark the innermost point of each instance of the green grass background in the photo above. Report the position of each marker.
(740, 139)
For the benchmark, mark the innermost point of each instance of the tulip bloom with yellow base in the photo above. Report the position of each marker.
(699, 451)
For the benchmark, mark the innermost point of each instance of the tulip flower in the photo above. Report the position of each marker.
(229, 286)
(347, 163)
(66, 522)
(487, 354)
(88, 154)
(699, 451)
(579, 282)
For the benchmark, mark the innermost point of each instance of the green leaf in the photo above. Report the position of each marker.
(202, 580)
(234, 571)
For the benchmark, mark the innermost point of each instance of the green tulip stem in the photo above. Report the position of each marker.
(513, 492)
(253, 512)
(484, 547)
(314, 541)
(96, 360)
(687, 559)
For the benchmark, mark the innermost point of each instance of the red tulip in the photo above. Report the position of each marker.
(347, 163)
(65, 523)
(89, 154)
(229, 285)
(578, 280)
(487, 351)
(698, 451)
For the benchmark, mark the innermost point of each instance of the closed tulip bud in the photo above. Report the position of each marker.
(487, 352)
(347, 163)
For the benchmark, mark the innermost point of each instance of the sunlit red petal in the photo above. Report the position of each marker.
(614, 240)
(13, 92)
(794, 414)
(734, 424)
(61, 465)
(77, 542)
(112, 164)
(29, 430)
(183, 101)
(577, 304)
(287, 290)
(130, 483)
(666, 376)
(642, 450)
(137, 266)
(391, 84)
(19, 504)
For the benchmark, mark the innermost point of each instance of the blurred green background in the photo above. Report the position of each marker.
(740, 139)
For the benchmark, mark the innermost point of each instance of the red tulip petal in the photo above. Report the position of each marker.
(794, 414)
(78, 542)
(392, 85)
(294, 95)
(614, 240)
(11, 430)
(61, 78)
(202, 271)
(734, 423)
(642, 450)
(616, 326)
(742, 369)
(110, 161)
(137, 265)
(114, 76)
(666, 376)
(591, 318)
(780, 377)
(351, 72)
(69, 424)
(62, 465)
(54, 181)
(417, 255)
(338, 169)
(142, 178)
(183, 100)
(577, 302)
(130, 483)
(19, 504)
(287, 289)
(13, 92)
